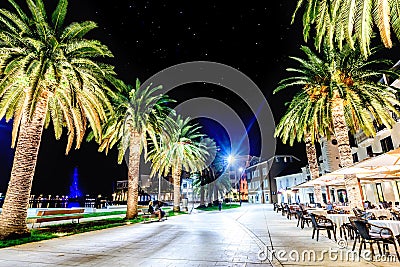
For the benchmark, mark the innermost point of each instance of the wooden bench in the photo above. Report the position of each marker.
(57, 215)
(149, 217)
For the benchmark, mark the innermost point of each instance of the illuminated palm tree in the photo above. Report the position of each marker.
(341, 20)
(303, 121)
(343, 89)
(47, 74)
(138, 114)
(180, 148)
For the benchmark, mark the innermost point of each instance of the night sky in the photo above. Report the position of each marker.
(255, 37)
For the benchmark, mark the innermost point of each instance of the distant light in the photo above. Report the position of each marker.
(240, 169)
(231, 159)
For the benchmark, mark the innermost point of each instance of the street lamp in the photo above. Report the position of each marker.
(231, 160)
(240, 181)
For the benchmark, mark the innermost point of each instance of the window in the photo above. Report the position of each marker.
(311, 197)
(342, 195)
(387, 144)
(380, 192)
(324, 198)
(333, 195)
(355, 157)
(398, 187)
(264, 171)
(369, 151)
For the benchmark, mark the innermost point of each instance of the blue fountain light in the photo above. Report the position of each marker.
(74, 191)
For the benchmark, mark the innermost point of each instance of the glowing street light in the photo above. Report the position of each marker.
(230, 159)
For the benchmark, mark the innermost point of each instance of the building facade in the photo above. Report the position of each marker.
(260, 176)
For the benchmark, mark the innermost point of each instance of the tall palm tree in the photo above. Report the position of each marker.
(345, 90)
(48, 73)
(138, 114)
(302, 122)
(341, 20)
(179, 148)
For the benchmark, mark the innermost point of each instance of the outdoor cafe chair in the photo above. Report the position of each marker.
(283, 209)
(301, 219)
(356, 233)
(374, 234)
(322, 223)
(395, 215)
(289, 212)
(358, 212)
(348, 229)
(277, 207)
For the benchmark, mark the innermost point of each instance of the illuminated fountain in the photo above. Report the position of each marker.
(75, 195)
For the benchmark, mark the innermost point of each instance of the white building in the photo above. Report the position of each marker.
(262, 186)
(384, 141)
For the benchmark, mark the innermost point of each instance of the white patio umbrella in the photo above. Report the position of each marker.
(390, 161)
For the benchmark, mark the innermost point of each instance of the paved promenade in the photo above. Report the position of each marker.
(238, 237)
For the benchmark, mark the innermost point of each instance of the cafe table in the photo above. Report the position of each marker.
(392, 225)
(339, 219)
(317, 211)
(380, 212)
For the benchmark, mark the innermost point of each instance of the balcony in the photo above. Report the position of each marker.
(362, 140)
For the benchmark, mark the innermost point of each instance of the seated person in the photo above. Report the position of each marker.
(329, 206)
(151, 208)
(158, 211)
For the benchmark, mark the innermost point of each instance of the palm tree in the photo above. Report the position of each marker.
(344, 89)
(138, 114)
(301, 122)
(47, 74)
(180, 148)
(214, 175)
(341, 20)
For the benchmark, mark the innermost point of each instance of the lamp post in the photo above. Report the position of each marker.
(231, 159)
(240, 184)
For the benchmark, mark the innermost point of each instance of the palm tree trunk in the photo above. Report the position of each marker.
(209, 193)
(313, 165)
(351, 182)
(216, 196)
(312, 157)
(201, 193)
(16, 203)
(176, 176)
(133, 176)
